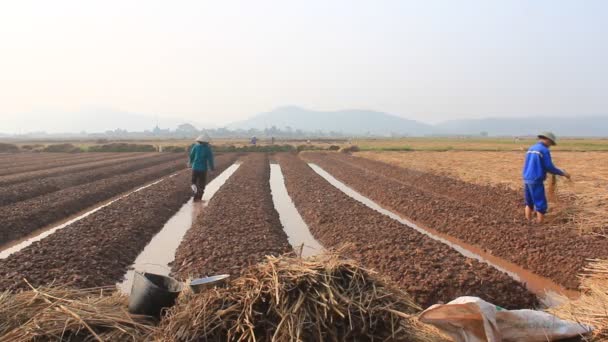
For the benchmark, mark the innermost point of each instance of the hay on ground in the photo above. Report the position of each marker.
(323, 298)
(592, 307)
(61, 314)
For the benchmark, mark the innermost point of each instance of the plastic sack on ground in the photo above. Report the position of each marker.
(471, 319)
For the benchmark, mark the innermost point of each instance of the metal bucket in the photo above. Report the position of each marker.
(151, 293)
(197, 285)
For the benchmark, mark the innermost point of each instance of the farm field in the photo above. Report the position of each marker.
(101, 210)
(584, 200)
(485, 216)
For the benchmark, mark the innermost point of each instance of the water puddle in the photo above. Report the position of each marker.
(550, 293)
(19, 244)
(297, 231)
(160, 251)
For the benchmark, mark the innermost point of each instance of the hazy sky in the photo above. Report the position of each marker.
(221, 61)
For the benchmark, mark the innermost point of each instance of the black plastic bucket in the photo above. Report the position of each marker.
(151, 293)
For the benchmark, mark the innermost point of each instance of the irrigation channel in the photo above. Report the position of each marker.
(549, 292)
(297, 231)
(17, 245)
(160, 251)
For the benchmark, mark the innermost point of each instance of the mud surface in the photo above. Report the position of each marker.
(22, 218)
(22, 191)
(29, 159)
(429, 270)
(63, 169)
(554, 251)
(97, 250)
(60, 161)
(239, 226)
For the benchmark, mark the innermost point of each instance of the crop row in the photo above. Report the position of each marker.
(98, 249)
(239, 227)
(429, 270)
(21, 218)
(22, 191)
(553, 251)
(61, 161)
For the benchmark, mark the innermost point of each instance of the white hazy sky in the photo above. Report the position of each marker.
(221, 61)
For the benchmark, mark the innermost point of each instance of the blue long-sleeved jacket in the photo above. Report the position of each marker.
(538, 163)
(201, 157)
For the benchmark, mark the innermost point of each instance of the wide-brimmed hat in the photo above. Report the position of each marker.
(202, 138)
(550, 136)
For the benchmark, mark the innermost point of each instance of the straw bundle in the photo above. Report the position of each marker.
(592, 307)
(293, 299)
(61, 314)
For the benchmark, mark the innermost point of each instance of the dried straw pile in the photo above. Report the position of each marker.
(60, 314)
(592, 307)
(293, 299)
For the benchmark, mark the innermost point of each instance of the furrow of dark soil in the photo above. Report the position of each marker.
(97, 250)
(50, 163)
(45, 172)
(554, 251)
(22, 191)
(482, 197)
(22, 218)
(238, 228)
(429, 270)
(27, 159)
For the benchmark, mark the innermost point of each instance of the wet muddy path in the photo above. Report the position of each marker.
(160, 252)
(297, 231)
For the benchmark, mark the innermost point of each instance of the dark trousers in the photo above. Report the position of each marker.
(199, 178)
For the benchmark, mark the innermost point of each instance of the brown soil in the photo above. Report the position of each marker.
(238, 228)
(27, 159)
(22, 191)
(430, 271)
(97, 250)
(554, 250)
(50, 163)
(63, 169)
(22, 218)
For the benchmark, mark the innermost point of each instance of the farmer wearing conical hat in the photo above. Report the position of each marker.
(201, 160)
(538, 163)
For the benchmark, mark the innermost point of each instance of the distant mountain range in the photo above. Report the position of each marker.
(365, 122)
(356, 122)
(346, 122)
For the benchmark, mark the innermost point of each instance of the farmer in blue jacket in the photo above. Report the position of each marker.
(201, 160)
(538, 163)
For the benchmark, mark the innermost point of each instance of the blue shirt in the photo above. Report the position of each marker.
(201, 157)
(538, 163)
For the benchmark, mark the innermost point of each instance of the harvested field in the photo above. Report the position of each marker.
(22, 218)
(238, 228)
(98, 249)
(37, 187)
(584, 201)
(425, 268)
(64, 170)
(554, 251)
(36, 163)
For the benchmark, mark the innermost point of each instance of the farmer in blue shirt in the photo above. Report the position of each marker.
(201, 159)
(538, 163)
